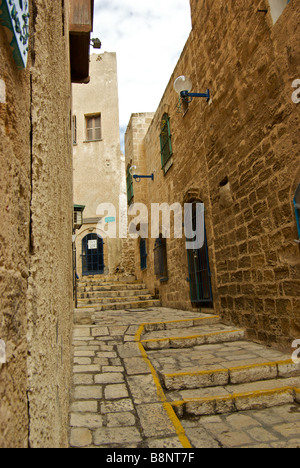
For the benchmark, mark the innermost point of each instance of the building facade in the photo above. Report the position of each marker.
(239, 156)
(98, 167)
(36, 205)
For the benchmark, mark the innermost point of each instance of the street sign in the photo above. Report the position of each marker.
(14, 15)
(92, 244)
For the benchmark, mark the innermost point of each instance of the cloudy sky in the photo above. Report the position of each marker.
(148, 38)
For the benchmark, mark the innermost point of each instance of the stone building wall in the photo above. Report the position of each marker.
(97, 164)
(240, 157)
(36, 237)
(14, 255)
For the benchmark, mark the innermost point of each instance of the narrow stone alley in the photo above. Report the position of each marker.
(163, 378)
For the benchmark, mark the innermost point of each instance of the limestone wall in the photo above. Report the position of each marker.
(97, 164)
(240, 157)
(36, 236)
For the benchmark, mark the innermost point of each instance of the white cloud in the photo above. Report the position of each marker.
(148, 39)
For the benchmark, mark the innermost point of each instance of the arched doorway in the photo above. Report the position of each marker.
(92, 255)
(199, 271)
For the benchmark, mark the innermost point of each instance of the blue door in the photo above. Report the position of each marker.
(92, 255)
(199, 272)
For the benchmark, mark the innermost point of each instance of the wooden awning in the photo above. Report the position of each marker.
(81, 26)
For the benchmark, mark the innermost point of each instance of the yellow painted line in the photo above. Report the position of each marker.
(230, 369)
(186, 320)
(167, 406)
(189, 337)
(235, 396)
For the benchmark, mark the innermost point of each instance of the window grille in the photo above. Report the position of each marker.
(143, 254)
(165, 141)
(129, 186)
(74, 128)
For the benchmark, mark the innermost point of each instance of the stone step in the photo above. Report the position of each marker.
(220, 364)
(145, 304)
(232, 375)
(102, 294)
(112, 300)
(190, 337)
(105, 281)
(233, 398)
(111, 287)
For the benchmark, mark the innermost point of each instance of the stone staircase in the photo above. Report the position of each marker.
(208, 368)
(98, 294)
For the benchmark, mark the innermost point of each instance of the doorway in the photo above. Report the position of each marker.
(92, 255)
(199, 272)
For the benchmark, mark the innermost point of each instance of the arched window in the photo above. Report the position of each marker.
(160, 259)
(165, 143)
(129, 180)
(143, 254)
(297, 209)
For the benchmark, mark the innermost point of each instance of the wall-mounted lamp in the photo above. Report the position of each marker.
(138, 178)
(183, 87)
(96, 43)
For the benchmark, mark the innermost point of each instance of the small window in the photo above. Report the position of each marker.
(74, 130)
(129, 180)
(165, 143)
(143, 254)
(277, 7)
(93, 128)
(160, 259)
(297, 209)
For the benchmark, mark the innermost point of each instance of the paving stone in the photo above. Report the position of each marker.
(124, 435)
(109, 378)
(100, 331)
(115, 392)
(81, 437)
(116, 406)
(124, 419)
(112, 377)
(83, 379)
(142, 389)
(154, 420)
(170, 442)
(88, 392)
(136, 366)
(89, 420)
(200, 438)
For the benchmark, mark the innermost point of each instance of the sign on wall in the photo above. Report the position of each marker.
(14, 15)
(92, 244)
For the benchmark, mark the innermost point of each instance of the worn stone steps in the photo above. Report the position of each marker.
(189, 337)
(123, 305)
(116, 288)
(109, 300)
(234, 398)
(96, 295)
(207, 368)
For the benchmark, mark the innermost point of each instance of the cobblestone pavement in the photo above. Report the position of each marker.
(118, 400)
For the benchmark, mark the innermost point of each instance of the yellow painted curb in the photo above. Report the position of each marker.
(167, 406)
(236, 396)
(186, 320)
(158, 340)
(230, 369)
